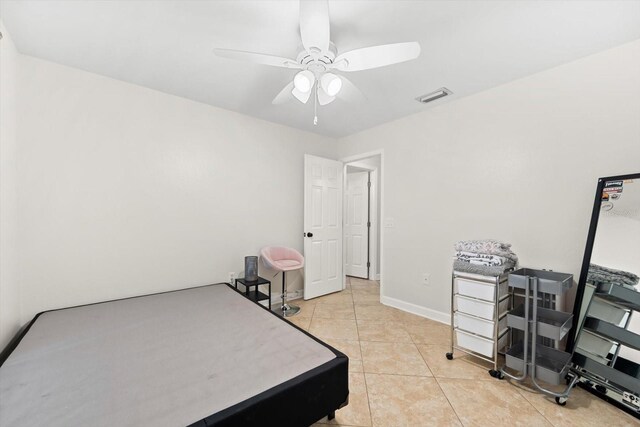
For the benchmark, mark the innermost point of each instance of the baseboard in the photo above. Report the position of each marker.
(418, 310)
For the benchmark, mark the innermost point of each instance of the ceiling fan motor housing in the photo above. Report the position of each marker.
(317, 61)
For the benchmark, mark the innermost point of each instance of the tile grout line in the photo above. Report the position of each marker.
(349, 373)
(424, 360)
(448, 401)
(439, 386)
(398, 375)
(531, 403)
(364, 374)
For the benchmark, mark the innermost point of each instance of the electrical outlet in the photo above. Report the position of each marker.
(232, 277)
(426, 279)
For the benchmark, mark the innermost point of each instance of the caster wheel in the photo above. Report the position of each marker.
(450, 356)
(496, 374)
(601, 389)
(562, 401)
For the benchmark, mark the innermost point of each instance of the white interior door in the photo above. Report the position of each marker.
(322, 226)
(356, 231)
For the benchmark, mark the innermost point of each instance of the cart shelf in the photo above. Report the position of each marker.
(611, 331)
(620, 295)
(551, 323)
(551, 364)
(549, 282)
(618, 378)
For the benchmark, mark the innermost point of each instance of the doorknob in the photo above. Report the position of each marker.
(308, 234)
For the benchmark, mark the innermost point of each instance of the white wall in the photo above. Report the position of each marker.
(616, 243)
(127, 191)
(9, 290)
(518, 163)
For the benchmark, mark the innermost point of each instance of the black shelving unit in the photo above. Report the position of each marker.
(251, 290)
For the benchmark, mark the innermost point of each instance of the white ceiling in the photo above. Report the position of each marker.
(467, 46)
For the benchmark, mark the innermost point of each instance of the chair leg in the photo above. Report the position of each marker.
(284, 291)
(286, 309)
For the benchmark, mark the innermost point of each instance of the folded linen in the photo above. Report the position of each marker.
(601, 274)
(481, 259)
(467, 267)
(489, 247)
(481, 262)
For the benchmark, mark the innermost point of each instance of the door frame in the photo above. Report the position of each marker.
(372, 214)
(380, 236)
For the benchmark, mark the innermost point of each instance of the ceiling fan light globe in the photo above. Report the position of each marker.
(303, 81)
(331, 84)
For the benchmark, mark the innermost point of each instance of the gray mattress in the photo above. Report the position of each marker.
(165, 360)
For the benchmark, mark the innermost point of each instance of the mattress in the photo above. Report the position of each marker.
(200, 356)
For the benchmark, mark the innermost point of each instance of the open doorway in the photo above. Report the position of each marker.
(362, 212)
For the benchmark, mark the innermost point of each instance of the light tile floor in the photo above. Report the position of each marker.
(399, 375)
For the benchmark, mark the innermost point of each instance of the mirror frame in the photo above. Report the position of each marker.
(586, 260)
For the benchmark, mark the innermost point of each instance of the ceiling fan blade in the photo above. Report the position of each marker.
(350, 92)
(257, 58)
(377, 56)
(314, 24)
(284, 95)
(323, 97)
(301, 96)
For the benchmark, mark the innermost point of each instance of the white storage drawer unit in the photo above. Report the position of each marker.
(478, 303)
(479, 326)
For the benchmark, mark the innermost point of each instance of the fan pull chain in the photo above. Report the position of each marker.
(315, 108)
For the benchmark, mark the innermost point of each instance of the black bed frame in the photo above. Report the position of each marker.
(298, 402)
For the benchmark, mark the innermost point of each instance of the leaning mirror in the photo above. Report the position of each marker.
(606, 343)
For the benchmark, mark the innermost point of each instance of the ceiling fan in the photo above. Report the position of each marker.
(318, 61)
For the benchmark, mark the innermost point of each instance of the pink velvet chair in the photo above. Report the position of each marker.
(283, 259)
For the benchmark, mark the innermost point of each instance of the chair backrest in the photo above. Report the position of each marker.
(272, 254)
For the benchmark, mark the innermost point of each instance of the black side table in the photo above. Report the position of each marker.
(255, 294)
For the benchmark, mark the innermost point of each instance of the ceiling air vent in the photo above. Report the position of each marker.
(440, 93)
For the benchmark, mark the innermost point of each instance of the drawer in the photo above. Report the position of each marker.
(481, 290)
(479, 326)
(478, 308)
(478, 344)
